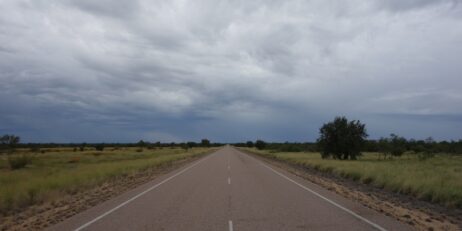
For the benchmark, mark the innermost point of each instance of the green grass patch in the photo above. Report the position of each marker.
(438, 179)
(57, 172)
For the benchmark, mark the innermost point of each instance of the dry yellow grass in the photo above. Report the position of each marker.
(437, 179)
(62, 170)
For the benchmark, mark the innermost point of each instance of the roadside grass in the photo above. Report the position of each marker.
(438, 179)
(62, 171)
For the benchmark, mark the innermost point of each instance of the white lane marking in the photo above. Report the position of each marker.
(378, 227)
(229, 167)
(230, 224)
(229, 180)
(138, 195)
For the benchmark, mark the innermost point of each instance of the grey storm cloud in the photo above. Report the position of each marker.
(81, 70)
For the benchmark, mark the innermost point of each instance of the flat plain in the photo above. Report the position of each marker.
(436, 179)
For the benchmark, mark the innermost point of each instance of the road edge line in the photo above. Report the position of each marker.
(139, 195)
(378, 227)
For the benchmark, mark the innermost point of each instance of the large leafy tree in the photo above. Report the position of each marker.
(342, 139)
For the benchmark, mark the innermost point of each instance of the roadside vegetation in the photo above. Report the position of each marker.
(39, 175)
(436, 179)
(426, 169)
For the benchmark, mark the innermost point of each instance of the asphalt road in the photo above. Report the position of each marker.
(229, 190)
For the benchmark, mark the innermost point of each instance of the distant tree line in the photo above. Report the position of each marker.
(338, 139)
(387, 146)
(8, 143)
(281, 147)
(343, 139)
(396, 145)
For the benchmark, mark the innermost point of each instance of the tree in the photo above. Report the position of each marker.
(141, 144)
(9, 142)
(205, 143)
(185, 146)
(394, 145)
(429, 149)
(99, 147)
(341, 139)
(82, 147)
(398, 145)
(260, 144)
(249, 144)
(191, 144)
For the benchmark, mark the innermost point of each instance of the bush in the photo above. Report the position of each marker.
(82, 147)
(425, 155)
(74, 159)
(205, 143)
(139, 150)
(99, 147)
(35, 149)
(17, 162)
(96, 153)
(394, 145)
(290, 148)
(260, 144)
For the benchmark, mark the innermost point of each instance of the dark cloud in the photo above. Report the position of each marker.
(175, 70)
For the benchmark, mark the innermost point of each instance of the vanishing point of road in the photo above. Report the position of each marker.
(232, 191)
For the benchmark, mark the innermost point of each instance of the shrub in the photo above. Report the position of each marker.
(17, 162)
(96, 153)
(425, 155)
(394, 145)
(290, 148)
(205, 143)
(99, 147)
(35, 149)
(141, 143)
(74, 159)
(260, 144)
(139, 150)
(82, 147)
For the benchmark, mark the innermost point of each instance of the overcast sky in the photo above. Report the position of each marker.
(120, 71)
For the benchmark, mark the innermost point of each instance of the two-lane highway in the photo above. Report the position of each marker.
(229, 190)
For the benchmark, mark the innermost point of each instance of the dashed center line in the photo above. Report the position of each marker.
(230, 224)
(229, 180)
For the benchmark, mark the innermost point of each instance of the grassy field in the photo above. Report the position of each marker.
(64, 171)
(438, 179)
